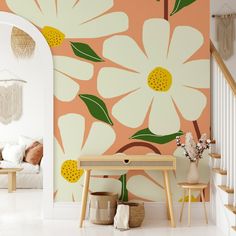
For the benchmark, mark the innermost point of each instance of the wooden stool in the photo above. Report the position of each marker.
(198, 187)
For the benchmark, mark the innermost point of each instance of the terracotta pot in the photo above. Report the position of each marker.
(193, 174)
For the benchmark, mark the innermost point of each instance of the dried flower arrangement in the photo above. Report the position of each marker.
(192, 150)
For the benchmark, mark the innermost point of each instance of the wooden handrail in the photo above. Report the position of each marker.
(223, 67)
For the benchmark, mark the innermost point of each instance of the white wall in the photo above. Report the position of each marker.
(32, 70)
(216, 8)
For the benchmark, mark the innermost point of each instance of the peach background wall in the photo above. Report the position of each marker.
(195, 15)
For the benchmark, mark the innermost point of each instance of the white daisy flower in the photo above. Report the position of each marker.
(158, 80)
(71, 18)
(155, 186)
(65, 70)
(68, 182)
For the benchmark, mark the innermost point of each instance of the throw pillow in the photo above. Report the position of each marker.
(13, 153)
(34, 153)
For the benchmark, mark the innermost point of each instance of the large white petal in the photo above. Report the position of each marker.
(28, 9)
(156, 175)
(105, 185)
(190, 102)
(72, 128)
(108, 24)
(194, 74)
(68, 192)
(163, 117)
(100, 139)
(59, 158)
(145, 188)
(156, 33)
(49, 9)
(132, 109)
(185, 42)
(124, 51)
(73, 67)
(113, 82)
(65, 88)
(86, 10)
(59, 154)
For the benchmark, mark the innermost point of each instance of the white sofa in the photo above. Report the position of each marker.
(31, 177)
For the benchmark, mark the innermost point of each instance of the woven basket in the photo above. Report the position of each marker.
(136, 213)
(102, 207)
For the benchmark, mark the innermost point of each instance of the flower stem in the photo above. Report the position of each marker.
(166, 9)
(197, 130)
(139, 144)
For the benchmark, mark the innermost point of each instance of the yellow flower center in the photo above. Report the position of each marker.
(53, 36)
(70, 171)
(159, 79)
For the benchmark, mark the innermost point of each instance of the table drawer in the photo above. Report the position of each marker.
(127, 164)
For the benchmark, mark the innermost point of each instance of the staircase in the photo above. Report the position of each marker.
(223, 153)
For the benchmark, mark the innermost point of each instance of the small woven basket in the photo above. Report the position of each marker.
(102, 207)
(136, 213)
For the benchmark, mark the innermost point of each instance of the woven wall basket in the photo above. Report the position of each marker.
(22, 44)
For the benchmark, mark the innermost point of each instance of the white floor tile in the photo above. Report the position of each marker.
(20, 215)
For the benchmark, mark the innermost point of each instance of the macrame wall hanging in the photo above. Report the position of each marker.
(226, 35)
(23, 46)
(10, 97)
(225, 31)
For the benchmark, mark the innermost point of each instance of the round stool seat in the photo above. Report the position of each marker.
(193, 186)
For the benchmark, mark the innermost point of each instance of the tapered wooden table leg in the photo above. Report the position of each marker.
(10, 182)
(84, 197)
(169, 198)
(203, 199)
(14, 181)
(182, 208)
(167, 204)
(189, 207)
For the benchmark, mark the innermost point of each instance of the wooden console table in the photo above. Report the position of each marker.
(163, 163)
(11, 172)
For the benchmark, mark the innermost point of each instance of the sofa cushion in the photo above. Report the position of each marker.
(13, 153)
(34, 153)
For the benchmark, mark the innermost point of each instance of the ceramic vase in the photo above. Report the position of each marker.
(193, 174)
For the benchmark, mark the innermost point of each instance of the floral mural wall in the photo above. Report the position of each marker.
(129, 76)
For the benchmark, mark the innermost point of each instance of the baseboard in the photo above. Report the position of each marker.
(153, 211)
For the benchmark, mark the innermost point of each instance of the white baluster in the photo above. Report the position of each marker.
(227, 132)
(221, 120)
(231, 147)
(234, 146)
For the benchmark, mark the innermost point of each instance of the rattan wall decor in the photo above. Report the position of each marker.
(23, 46)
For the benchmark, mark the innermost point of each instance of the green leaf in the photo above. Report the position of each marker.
(85, 51)
(147, 135)
(124, 191)
(179, 4)
(96, 107)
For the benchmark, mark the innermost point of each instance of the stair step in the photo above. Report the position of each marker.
(219, 171)
(234, 228)
(215, 155)
(231, 208)
(226, 189)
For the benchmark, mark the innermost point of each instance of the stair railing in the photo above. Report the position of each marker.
(223, 117)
